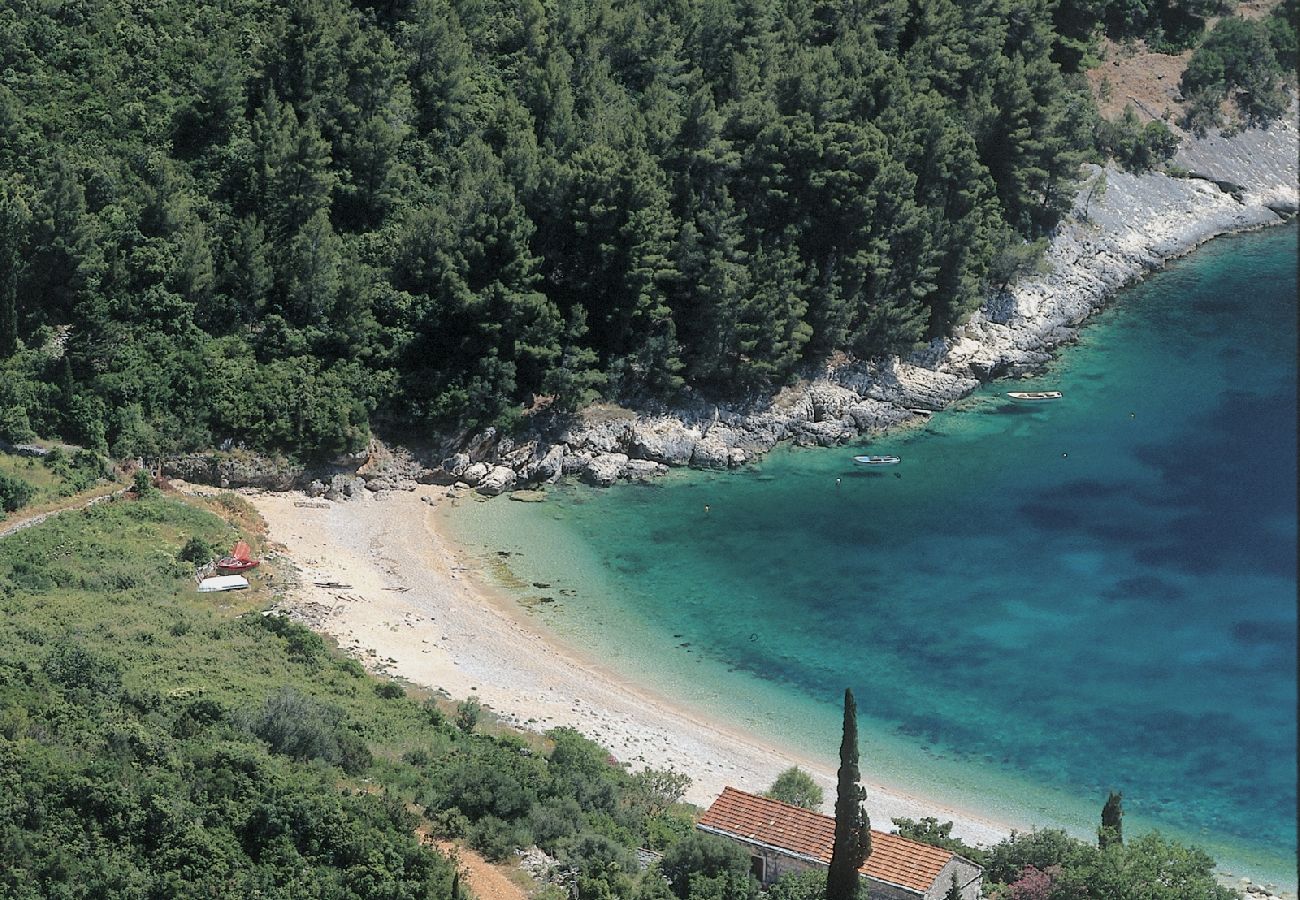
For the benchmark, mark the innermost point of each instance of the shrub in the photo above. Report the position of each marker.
(796, 787)
(142, 483)
(390, 690)
(467, 714)
(14, 493)
(196, 551)
(701, 854)
(72, 666)
(799, 886)
(555, 820)
(497, 839)
(487, 784)
(300, 642)
(297, 725)
(1134, 146)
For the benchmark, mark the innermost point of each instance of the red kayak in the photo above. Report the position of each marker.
(238, 561)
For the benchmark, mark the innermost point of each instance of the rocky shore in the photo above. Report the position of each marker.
(1216, 185)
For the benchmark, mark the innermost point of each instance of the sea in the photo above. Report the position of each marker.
(1036, 606)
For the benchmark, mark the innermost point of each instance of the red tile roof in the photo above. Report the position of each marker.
(896, 860)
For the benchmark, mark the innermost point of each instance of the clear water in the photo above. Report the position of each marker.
(1037, 605)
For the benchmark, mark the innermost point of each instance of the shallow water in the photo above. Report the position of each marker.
(1037, 605)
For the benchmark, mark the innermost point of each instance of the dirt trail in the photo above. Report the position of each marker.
(78, 502)
(487, 881)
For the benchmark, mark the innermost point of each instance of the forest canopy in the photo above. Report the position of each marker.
(279, 224)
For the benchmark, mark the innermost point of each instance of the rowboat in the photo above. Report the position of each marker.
(872, 461)
(1033, 396)
(238, 561)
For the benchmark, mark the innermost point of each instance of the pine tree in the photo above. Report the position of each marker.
(852, 827)
(954, 890)
(1112, 821)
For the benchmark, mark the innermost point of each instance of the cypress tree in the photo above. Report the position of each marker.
(852, 827)
(1112, 821)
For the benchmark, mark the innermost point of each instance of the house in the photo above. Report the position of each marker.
(782, 838)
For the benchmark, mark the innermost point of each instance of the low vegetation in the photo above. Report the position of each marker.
(27, 480)
(157, 742)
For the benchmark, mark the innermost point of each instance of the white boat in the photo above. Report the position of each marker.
(1033, 396)
(876, 460)
(223, 583)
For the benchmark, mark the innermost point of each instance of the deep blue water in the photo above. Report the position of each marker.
(1038, 605)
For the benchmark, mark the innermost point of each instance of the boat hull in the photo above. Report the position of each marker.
(231, 566)
(1033, 396)
(876, 461)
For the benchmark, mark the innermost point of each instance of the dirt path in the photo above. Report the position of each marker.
(488, 882)
(80, 501)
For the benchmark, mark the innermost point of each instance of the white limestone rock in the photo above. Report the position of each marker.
(605, 469)
(497, 481)
(644, 470)
(474, 473)
(667, 441)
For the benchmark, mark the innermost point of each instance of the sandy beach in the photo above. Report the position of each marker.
(410, 607)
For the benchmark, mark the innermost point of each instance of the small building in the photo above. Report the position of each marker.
(782, 838)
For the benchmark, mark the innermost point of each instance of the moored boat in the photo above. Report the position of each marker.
(884, 460)
(223, 583)
(240, 560)
(1033, 396)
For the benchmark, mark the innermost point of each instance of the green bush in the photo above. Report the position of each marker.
(809, 885)
(301, 644)
(700, 854)
(389, 690)
(497, 839)
(73, 667)
(14, 493)
(197, 551)
(1134, 146)
(796, 787)
(468, 712)
(297, 725)
(1236, 61)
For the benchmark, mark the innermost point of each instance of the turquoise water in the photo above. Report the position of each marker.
(1038, 605)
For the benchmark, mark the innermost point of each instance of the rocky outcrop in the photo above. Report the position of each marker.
(497, 481)
(664, 440)
(605, 469)
(226, 469)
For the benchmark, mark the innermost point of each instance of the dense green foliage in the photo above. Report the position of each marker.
(1134, 146)
(280, 222)
(938, 834)
(1050, 865)
(1244, 61)
(1112, 821)
(796, 787)
(1166, 25)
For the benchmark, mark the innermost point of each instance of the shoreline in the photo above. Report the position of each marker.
(415, 608)
(415, 605)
